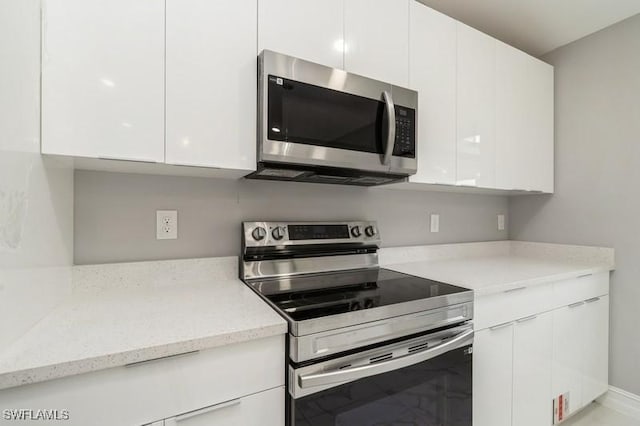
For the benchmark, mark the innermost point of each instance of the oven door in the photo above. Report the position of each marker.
(423, 381)
(319, 116)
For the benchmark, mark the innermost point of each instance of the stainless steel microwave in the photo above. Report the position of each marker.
(325, 125)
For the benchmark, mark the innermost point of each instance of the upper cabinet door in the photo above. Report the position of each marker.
(524, 121)
(432, 72)
(103, 79)
(307, 29)
(476, 108)
(211, 83)
(377, 39)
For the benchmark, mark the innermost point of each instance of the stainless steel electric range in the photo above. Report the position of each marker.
(366, 345)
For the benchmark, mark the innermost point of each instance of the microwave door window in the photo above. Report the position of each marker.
(312, 115)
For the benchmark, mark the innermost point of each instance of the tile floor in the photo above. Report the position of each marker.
(597, 415)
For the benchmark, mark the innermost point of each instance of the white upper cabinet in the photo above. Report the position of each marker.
(476, 148)
(376, 34)
(211, 83)
(432, 72)
(524, 121)
(103, 79)
(307, 29)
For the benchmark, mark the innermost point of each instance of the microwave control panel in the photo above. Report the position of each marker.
(405, 132)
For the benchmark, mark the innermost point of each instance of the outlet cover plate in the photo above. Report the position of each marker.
(435, 223)
(166, 224)
(500, 222)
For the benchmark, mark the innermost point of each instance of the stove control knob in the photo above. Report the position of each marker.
(278, 233)
(355, 231)
(370, 231)
(259, 233)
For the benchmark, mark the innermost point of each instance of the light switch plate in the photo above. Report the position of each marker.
(435, 223)
(166, 224)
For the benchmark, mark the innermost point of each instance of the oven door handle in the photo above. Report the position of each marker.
(391, 133)
(355, 373)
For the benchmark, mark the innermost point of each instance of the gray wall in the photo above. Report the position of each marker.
(597, 200)
(115, 214)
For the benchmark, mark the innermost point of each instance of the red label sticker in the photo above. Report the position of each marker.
(560, 408)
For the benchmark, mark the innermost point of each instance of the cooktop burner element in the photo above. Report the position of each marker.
(325, 280)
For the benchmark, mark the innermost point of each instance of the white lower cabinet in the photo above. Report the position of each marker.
(532, 370)
(567, 355)
(512, 373)
(239, 384)
(261, 409)
(596, 363)
(580, 352)
(521, 363)
(493, 376)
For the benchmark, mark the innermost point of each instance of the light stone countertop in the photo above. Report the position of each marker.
(493, 267)
(120, 314)
(125, 313)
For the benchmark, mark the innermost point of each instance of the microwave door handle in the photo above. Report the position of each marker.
(355, 373)
(391, 134)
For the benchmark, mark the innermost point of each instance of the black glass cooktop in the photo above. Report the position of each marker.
(321, 295)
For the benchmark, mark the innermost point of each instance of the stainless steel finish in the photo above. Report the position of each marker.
(260, 270)
(593, 299)
(511, 290)
(249, 241)
(525, 319)
(499, 326)
(391, 123)
(303, 348)
(575, 305)
(308, 72)
(321, 376)
(206, 410)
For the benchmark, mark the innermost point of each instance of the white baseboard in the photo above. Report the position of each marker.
(621, 401)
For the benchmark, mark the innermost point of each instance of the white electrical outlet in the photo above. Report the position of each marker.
(500, 222)
(435, 223)
(166, 224)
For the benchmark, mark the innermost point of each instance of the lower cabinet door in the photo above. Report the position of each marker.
(493, 376)
(596, 348)
(260, 409)
(568, 355)
(532, 340)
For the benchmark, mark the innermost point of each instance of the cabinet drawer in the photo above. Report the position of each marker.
(581, 288)
(160, 389)
(511, 305)
(261, 409)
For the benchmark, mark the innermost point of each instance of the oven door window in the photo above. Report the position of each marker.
(312, 115)
(436, 392)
